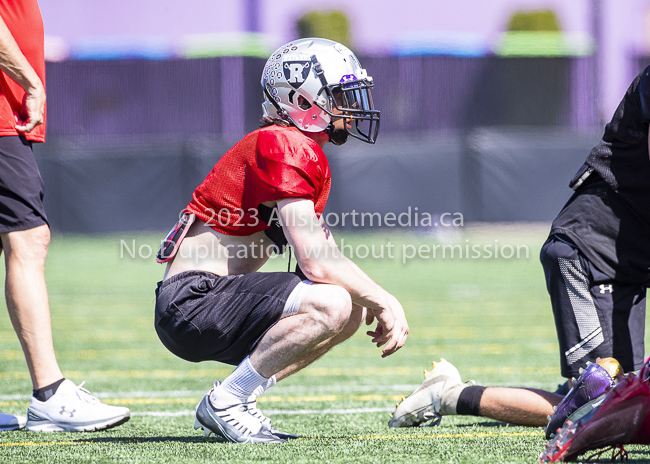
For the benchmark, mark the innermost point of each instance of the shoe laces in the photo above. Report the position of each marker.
(255, 412)
(84, 395)
(242, 416)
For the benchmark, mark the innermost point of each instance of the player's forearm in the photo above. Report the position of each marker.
(14, 63)
(343, 272)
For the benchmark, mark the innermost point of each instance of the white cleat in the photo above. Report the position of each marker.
(428, 400)
(73, 409)
(266, 423)
(234, 424)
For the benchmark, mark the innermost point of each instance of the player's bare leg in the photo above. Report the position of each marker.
(27, 301)
(324, 313)
(357, 317)
(230, 409)
(522, 406)
(323, 319)
(444, 393)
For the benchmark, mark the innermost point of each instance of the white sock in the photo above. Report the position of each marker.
(262, 388)
(238, 386)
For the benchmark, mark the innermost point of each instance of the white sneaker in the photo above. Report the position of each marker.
(10, 422)
(266, 422)
(73, 409)
(437, 396)
(234, 423)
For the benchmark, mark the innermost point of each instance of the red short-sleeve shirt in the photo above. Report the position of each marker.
(23, 19)
(269, 164)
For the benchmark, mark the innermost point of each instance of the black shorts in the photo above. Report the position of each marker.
(201, 316)
(595, 316)
(21, 187)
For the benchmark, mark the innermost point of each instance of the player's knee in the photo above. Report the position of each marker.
(330, 307)
(338, 308)
(354, 322)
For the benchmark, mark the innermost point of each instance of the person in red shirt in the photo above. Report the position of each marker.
(267, 192)
(25, 233)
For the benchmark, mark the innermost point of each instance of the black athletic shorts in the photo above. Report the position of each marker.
(595, 315)
(201, 316)
(21, 187)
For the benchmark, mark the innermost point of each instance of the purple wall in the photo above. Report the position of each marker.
(376, 24)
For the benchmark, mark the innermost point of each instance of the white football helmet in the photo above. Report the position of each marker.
(309, 81)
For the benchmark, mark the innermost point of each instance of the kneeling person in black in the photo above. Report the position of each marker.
(597, 266)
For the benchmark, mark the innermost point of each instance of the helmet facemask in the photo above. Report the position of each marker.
(352, 102)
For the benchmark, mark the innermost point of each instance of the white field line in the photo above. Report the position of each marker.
(272, 412)
(278, 389)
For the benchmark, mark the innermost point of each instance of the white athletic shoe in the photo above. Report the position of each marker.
(10, 422)
(234, 423)
(266, 422)
(437, 396)
(73, 409)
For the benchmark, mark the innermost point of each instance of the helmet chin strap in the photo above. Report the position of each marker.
(337, 136)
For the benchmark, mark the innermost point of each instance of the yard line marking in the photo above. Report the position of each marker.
(310, 371)
(453, 435)
(263, 399)
(358, 437)
(47, 443)
(272, 412)
(276, 389)
(402, 388)
(542, 345)
(190, 412)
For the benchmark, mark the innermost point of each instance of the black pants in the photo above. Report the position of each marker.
(201, 316)
(595, 316)
(21, 187)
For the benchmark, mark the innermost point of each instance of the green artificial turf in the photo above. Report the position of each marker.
(490, 317)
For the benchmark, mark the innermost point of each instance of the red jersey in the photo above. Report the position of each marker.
(268, 164)
(23, 19)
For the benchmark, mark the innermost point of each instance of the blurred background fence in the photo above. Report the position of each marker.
(128, 140)
(222, 96)
(488, 108)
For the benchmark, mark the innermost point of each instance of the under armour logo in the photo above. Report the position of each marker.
(69, 412)
(604, 288)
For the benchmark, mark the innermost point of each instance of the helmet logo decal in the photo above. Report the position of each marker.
(296, 72)
(348, 77)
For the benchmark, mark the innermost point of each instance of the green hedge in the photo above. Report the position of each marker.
(328, 24)
(541, 20)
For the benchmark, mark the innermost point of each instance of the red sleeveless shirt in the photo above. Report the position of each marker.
(269, 164)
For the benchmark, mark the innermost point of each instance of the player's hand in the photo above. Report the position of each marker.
(392, 328)
(370, 317)
(33, 112)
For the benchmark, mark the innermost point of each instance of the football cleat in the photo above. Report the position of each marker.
(73, 409)
(585, 395)
(620, 419)
(234, 424)
(266, 423)
(612, 366)
(432, 399)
